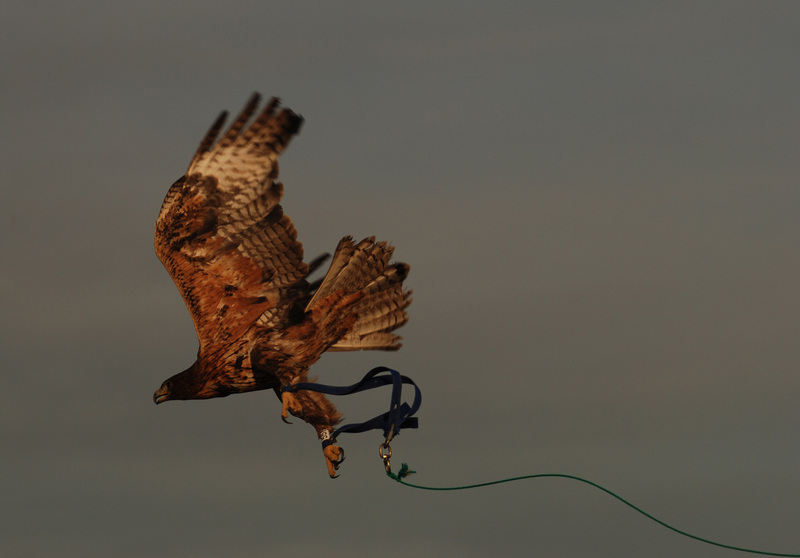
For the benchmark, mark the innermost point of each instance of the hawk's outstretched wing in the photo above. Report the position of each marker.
(222, 234)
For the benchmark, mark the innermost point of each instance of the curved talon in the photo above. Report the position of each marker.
(334, 455)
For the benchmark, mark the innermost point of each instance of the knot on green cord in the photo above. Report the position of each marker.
(404, 472)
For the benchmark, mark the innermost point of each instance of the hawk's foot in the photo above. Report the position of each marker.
(290, 405)
(334, 455)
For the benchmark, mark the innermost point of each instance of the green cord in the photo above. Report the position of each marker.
(405, 471)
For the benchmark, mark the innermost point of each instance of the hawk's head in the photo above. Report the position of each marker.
(183, 385)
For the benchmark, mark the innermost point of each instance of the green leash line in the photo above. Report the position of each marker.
(404, 472)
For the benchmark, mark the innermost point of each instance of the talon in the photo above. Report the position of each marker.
(334, 455)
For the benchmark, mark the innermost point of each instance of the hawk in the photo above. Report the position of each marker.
(235, 258)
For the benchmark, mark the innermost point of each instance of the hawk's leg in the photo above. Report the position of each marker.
(319, 412)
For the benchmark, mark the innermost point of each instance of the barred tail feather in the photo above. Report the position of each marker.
(364, 269)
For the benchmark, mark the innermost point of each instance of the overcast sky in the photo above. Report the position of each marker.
(599, 203)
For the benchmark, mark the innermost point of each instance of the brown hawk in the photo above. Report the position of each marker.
(235, 257)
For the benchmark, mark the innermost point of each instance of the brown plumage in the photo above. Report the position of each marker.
(236, 260)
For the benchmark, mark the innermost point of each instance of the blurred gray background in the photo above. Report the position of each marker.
(599, 203)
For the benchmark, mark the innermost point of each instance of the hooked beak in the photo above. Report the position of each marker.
(161, 395)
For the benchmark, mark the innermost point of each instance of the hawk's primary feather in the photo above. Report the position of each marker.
(234, 255)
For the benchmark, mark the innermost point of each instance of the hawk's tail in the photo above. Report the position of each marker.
(362, 274)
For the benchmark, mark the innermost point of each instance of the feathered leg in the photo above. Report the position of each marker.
(315, 409)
